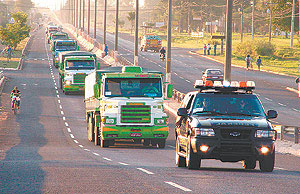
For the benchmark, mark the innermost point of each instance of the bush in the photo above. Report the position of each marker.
(264, 48)
(245, 48)
(255, 48)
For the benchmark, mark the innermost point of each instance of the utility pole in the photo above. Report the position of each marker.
(169, 45)
(227, 68)
(253, 9)
(117, 26)
(293, 23)
(104, 23)
(136, 34)
(189, 17)
(89, 17)
(83, 14)
(270, 25)
(95, 20)
(242, 21)
(79, 14)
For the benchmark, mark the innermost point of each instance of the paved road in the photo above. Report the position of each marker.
(44, 149)
(187, 68)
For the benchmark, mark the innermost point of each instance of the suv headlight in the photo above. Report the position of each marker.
(204, 132)
(265, 134)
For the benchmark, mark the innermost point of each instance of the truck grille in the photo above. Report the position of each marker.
(135, 114)
(79, 78)
(238, 134)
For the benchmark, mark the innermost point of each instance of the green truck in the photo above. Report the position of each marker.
(126, 103)
(73, 68)
(61, 46)
(57, 36)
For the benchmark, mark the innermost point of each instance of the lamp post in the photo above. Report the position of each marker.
(227, 67)
(169, 45)
(136, 34)
(95, 20)
(253, 9)
(293, 23)
(242, 21)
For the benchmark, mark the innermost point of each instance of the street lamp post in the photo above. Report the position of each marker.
(95, 20)
(241, 10)
(89, 17)
(83, 14)
(79, 19)
(293, 23)
(117, 26)
(270, 25)
(253, 9)
(169, 45)
(104, 23)
(136, 34)
(227, 67)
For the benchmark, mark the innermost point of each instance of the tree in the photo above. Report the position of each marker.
(24, 5)
(131, 19)
(13, 34)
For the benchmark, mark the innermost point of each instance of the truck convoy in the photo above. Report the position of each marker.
(73, 68)
(151, 42)
(57, 36)
(126, 103)
(60, 46)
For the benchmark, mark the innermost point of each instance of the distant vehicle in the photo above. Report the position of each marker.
(151, 42)
(74, 66)
(58, 36)
(51, 28)
(61, 46)
(224, 121)
(213, 75)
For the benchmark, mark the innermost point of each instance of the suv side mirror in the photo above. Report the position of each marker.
(182, 112)
(272, 114)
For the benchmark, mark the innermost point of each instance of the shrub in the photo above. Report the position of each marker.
(255, 48)
(245, 48)
(264, 48)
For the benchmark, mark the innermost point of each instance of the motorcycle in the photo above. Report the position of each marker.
(162, 56)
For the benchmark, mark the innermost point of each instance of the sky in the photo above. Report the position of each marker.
(52, 4)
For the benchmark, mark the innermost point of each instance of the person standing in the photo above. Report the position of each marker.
(105, 49)
(208, 49)
(9, 53)
(215, 49)
(204, 49)
(248, 61)
(258, 63)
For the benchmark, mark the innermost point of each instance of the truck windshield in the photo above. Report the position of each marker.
(228, 104)
(61, 37)
(80, 64)
(66, 46)
(133, 87)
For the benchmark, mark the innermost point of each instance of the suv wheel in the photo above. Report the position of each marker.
(249, 163)
(179, 160)
(266, 163)
(193, 160)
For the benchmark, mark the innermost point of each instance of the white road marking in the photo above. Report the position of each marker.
(75, 141)
(107, 159)
(188, 81)
(96, 154)
(58, 101)
(87, 150)
(54, 83)
(57, 96)
(72, 136)
(281, 104)
(69, 130)
(62, 112)
(279, 168)
(145, 171)
(178, 186)
(269, 99)
(55, 87)
(56, 92)
(60, 106)
(123, 164)
(64, 118)
(171, 146)
(292, 90)
(67, 125)
(295, 110)
(80, 146)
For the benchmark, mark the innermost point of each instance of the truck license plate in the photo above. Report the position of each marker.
(135, 135)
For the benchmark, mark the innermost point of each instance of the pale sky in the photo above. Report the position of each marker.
(52, 4)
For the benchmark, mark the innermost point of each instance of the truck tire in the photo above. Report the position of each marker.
(266, 163)
(60, 82)
(179, 160)
(91, 135)
(104, 143)
(161, 143)
(249, 164)
(96, 133)
(193, 160)
(146, 142)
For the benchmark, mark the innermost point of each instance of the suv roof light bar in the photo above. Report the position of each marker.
(225, 86)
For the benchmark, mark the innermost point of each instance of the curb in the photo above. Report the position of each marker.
(2, 83)
(20, 66)
(215, 60)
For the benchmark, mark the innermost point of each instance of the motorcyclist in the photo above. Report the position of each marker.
(162, 52)
(14, 94)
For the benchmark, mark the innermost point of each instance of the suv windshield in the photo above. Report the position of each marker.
(228, 104)
(82, 64)
(133, 87)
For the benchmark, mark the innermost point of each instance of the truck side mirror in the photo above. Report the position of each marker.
(169, 91)
(272, 114)
(98, 65)
(182, 112)
(78, 47)
(297, 80)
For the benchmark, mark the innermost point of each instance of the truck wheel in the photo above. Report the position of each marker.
(91, 135)
(266, 164)
(193, 160)
(60, 82)
(146, 142)
(97, 138)
(161, 143)
(249, 163)
(179, 160)
(104, 143)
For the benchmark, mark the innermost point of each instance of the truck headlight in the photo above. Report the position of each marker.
(265, 134)
(160, 121)
(109, 121)
(68, 82)
(204, 132)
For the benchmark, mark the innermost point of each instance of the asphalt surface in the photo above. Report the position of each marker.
(46, 150)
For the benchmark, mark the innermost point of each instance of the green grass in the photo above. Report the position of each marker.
(11, 64)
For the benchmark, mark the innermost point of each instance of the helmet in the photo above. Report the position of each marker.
(15, 88)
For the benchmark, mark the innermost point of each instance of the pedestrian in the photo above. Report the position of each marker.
(208, 49)
(105, 49)
(204, 49)
(215, 49)
(248, 61)
(9, 53)
(258, 63)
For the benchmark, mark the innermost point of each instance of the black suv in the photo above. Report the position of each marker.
(227, 124)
